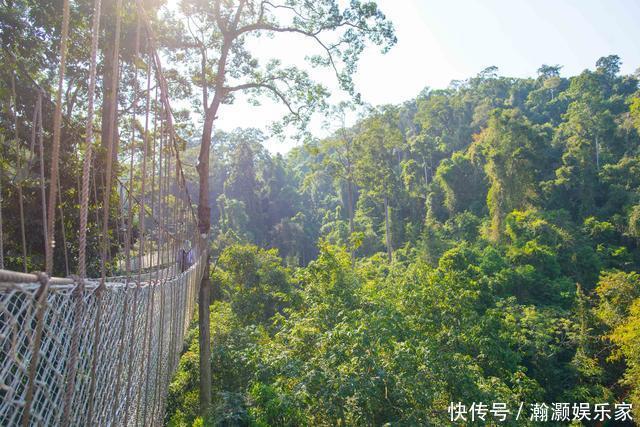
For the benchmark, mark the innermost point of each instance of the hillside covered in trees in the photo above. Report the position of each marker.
(476, 243)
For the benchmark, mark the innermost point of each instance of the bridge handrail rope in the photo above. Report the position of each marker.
(100, 351)
(165, 98)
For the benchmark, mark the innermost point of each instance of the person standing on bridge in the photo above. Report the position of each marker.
(190, 254)
(185, 256)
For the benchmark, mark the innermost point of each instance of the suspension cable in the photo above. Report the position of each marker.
(55, 155)
(112, 147)
(88, 145)
(162, 82)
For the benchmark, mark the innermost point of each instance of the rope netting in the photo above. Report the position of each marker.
(101, 351)
(50, 347)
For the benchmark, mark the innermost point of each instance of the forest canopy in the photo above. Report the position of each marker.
(475, 243)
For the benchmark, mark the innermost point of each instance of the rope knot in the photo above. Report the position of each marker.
(80, 284)
(43, 279)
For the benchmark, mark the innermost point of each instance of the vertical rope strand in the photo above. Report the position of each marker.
(19, 170)
(70, 380)
(111, 149)
(105, 218)
(63, 229)
(136, 291)
(57, 129)
(43, 183)
(142, 219)
(153, 283)
(41, 303)
(88, 145)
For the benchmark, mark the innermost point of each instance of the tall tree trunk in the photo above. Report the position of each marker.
(22, 228)
(387, 228)
(109, 114)
(426, 175)
(597, 153)
(204, 214)
(350, 199)
(351, 226)
(204, 220)
(14, 112)
(204, 296)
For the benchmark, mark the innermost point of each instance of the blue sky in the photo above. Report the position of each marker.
(443, 40)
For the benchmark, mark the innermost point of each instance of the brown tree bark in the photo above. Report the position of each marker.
(204, 211)
(387, 228)
(350, 200)
(109, 113)
(204, 295)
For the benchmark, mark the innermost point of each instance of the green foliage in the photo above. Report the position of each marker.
(512, 209)
(619, 309)
(513, 151)
(634, 110)
(462, 184)
(254, 282)
(376, 147)
(627, 337)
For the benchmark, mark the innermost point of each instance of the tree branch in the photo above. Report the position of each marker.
(314, 35)
(268, 86)
(218, 17)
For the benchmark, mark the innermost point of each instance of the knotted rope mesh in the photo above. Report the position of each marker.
(135, 346)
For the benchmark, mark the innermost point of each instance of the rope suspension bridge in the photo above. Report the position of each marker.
(100, 351)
